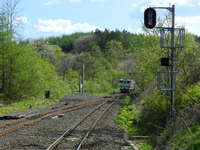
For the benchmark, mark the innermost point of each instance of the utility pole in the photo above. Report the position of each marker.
(83, 74)
(81, 84)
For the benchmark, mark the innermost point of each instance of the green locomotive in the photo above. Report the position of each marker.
(126, 85)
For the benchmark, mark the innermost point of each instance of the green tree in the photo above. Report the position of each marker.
(26, 73)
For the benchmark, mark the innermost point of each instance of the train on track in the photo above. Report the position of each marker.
(126, 85)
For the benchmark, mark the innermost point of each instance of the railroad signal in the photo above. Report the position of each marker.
(150, 18)
(164, 62)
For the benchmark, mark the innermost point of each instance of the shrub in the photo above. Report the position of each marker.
(128, 118)
(146, 147)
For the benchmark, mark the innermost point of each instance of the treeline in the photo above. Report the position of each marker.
(101, 52)
(78, 42)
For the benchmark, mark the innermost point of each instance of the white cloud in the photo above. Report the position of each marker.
(176, 2)
(168, 2)
(191, 23)
(52, 2)
(97, 0)
(192, 29)
(73, 1)
(63, 26)
(190, 20)
(142, 9)
(161, 3)
(134, 30)
(22, 20)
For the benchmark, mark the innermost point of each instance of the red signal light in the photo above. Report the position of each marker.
(150, 18)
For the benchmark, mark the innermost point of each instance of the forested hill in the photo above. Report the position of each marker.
(106, 55)
(79, 42)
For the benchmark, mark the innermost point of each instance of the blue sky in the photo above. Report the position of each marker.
(43, 18)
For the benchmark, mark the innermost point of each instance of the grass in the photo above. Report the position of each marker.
(34, 102)
(145, 146)
(24, 105)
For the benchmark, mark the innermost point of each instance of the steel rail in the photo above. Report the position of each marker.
(56, 112)
(15, 122)
(93, 126)
(68, 132)
(51, 110)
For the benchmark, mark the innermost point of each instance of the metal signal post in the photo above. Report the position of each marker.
(172, 72)
(173, 66)
(170, 63)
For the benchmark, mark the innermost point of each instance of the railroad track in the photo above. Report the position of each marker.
(31, 119)
(85, 125)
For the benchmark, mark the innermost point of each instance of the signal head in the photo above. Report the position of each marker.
(150, 18)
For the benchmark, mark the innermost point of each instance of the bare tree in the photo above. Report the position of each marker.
(65, 64)
(10, 12)
(82, 43)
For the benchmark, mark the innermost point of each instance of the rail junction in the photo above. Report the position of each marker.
(87, 125)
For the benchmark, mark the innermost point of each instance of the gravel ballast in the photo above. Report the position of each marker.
(106, 135)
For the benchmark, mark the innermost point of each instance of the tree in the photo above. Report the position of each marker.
(189, 62)
(66, 41)
(94, 50)
(26, 74)
(10, 11)
(114, 50)
(81, 44)
(88, 61)
(66, 63)
(52, 53)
